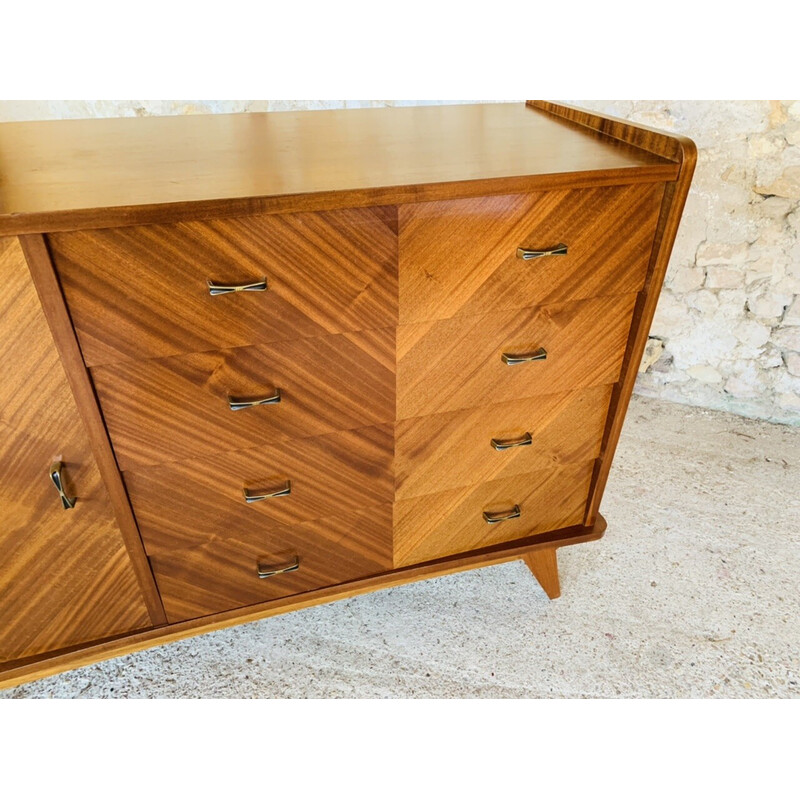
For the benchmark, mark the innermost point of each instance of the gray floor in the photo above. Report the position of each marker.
(693, 592)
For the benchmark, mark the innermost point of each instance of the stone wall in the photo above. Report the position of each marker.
(727, 329)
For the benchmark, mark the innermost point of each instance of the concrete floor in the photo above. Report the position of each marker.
(693, 592)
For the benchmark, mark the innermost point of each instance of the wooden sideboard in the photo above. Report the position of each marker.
(258, 362)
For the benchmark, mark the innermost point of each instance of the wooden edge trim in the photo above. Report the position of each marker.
(673, 147)
(672, 205)
(34, 669)
(55, 311)
(83, 219)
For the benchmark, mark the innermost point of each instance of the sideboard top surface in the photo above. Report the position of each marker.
(65, 174)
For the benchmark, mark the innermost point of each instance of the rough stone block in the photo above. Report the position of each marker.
(752, 333)
(711, 253)
(787, 338)
(687, 279)
(704, 374)
(768, 304)
(705, 301)
(724, 278)
(787, 185)
(792, 315)
(652, 352)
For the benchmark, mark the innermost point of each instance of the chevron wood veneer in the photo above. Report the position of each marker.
(171, 409)
(219, 574)
(442, 524)
(333, 475)
(142, 292)
(445, 451)
(65, 576)
(458, 257)
(375, 296)
(451, 364)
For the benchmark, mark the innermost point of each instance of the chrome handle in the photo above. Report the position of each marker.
(528, 255)
(268, 570)
(218, 288)
(540, 354)
(507, 444)
(238, 403)
(55, 476)
(501, 516)
(252, 496)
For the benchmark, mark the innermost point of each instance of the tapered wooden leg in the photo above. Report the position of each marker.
(544, 566)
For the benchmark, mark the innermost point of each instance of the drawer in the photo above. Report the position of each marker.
(142, 291)
(459, 257)
(446, 451)
(183, 504)
(446, 523)
(222, 573)
(446, 365)
(178, 408)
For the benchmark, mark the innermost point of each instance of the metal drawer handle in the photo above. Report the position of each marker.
(268, 570)
(253, 496)
(507, 444)
(501, 516)
(539, 354)
(528, 255)
(218, 288)
(238, 403)
(55, 476)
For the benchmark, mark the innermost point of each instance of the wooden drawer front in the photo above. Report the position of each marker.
(459, 257)
(445, 451)
(177, 408)
(183, 504)
(454, 364)
(221, 574)
(141, 292)
(443, 524)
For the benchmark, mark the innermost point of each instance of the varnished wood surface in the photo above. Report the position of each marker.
(65, 576)
(684, 152)
(463, 342)
(453, 364)
(192, 502)
(142, 292)
(672, 207)
(670, 146)
(66, 345)
(544, 566)
(458, 257)
(28, 670)
(34, 394)
(445, 451)
(221, 573)
(108, 172)
(177, 408)
(443, 524)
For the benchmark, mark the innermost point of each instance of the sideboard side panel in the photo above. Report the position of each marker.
(675, 194)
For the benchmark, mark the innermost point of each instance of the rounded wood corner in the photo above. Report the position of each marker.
(599, 527)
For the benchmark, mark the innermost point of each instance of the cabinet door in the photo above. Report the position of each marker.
(65, 575)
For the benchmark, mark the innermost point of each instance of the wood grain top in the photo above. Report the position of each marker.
(68, 174)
